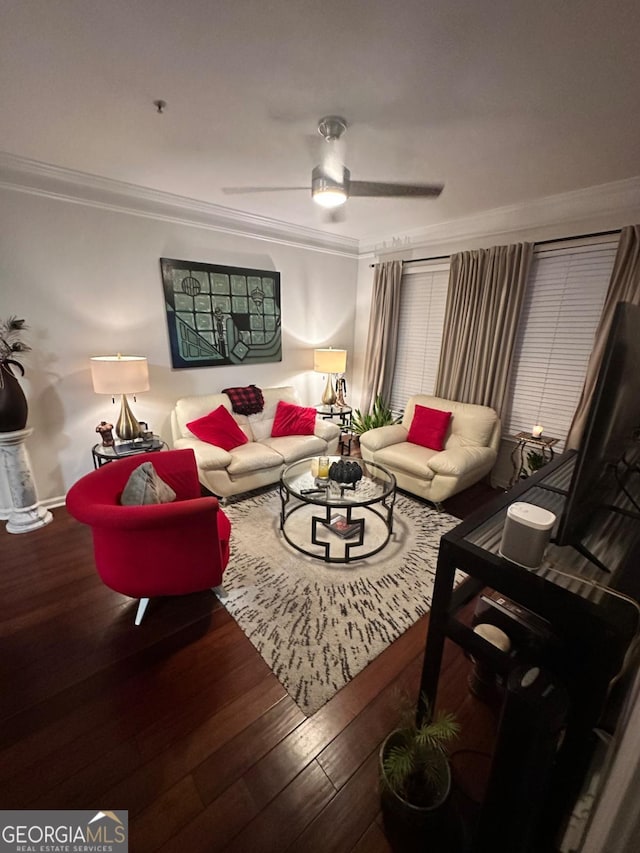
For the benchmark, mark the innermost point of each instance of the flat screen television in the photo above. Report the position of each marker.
(606, 477)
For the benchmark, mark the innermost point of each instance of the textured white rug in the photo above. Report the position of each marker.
(318, 624)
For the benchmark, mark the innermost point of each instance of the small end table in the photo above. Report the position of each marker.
(101, 454)
(343, 415)
(545, 443)
(347, 435)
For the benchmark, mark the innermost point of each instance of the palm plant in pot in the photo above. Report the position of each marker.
(13, 403)
(415, 774)
(380, 415)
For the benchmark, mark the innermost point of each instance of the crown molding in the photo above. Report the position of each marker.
(42, 179)
(616, 204)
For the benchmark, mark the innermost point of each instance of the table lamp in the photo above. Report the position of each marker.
(329, 361)
(119, 375)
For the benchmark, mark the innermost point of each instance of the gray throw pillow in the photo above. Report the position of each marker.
(144, 486)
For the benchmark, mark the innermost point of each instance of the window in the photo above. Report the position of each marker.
(422, 307)
(562, 307)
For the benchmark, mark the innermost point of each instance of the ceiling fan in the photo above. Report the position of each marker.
(331, 183)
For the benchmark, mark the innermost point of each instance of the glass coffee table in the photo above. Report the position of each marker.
(337, 523)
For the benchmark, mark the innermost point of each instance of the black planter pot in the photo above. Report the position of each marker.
(13, 403)
(409, 827)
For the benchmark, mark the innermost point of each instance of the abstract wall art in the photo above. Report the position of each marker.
(220, 315)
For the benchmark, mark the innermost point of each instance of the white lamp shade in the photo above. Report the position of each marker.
(119, 374)
(330, 360)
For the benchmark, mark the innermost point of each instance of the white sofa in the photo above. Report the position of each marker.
(470, 449)
(261, 460)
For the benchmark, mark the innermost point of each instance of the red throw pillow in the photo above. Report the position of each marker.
(429, 427)
(293, 420)
(219, 428)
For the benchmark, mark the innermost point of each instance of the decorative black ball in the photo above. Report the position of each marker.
(345, 472)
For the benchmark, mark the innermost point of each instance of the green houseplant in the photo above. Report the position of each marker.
(13, 403)
(380, 415)
(415, 777)
(535, 460)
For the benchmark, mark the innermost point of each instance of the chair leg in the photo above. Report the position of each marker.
(219, 591)
(142, 606)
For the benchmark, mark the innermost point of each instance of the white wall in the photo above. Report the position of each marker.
(87, 281)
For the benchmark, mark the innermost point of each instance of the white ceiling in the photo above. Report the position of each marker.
(504, 101)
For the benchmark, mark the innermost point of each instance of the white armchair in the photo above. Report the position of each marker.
(470, 449)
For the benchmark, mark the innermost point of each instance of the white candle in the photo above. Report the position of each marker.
(536, 431)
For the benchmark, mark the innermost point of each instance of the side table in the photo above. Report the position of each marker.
(343, 416)
(347, 435)
(102, 455)
(522, 439)
(342, 413)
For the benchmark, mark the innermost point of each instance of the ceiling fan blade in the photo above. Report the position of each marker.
(240, 190)
(377, 188)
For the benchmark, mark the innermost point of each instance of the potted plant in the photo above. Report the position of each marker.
(415, 776)
(13, 403)
(535, 461)
(380, 415)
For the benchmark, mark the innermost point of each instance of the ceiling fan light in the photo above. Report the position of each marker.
(327, 192)
(329, 197)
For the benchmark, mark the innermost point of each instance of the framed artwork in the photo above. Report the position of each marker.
(220, 315)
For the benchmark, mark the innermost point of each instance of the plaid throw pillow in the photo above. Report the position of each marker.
(245, 401)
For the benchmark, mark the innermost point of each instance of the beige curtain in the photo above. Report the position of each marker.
(380, 357)
(486, 290)
(624, 287)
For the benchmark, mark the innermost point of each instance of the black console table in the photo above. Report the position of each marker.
(592, 627)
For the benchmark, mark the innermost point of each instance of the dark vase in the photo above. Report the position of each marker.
(13, 403)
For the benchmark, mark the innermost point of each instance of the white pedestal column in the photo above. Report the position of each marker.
(25, 513)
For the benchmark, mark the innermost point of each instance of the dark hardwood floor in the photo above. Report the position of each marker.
(181, 722)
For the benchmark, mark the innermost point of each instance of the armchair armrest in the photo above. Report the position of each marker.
(376, 439)
(148, 516)
(459, 461)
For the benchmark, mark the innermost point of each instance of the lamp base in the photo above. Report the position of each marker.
(329, 395)
(127, 427)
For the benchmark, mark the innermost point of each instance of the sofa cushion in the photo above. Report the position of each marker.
(145, 486)
(262, 423)
(411, 458)
(472, 426)
(252, 457)
(208, 456)
(218, 428)
(429, 427)
(293, 420)
(294, 447)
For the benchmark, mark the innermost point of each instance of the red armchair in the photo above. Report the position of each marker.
(159, 549)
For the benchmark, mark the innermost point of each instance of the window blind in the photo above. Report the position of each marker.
(422, 307)
(562, 307)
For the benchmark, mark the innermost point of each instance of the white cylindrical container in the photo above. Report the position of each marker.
(525, 534)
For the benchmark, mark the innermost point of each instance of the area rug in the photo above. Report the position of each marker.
(317, 624)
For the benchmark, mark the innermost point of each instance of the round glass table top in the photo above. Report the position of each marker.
(376, 483)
